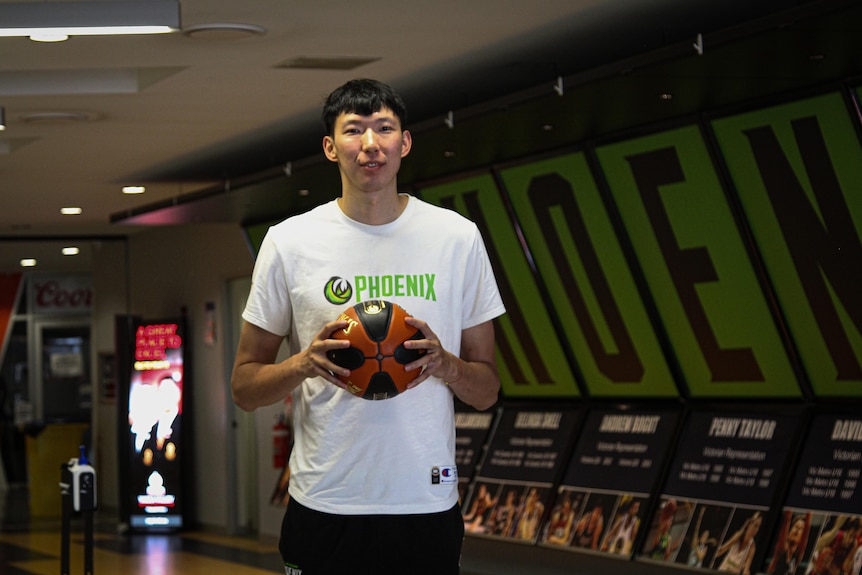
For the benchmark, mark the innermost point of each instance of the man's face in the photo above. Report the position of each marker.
(368, 149)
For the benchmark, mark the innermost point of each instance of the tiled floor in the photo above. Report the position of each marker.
(33, 547)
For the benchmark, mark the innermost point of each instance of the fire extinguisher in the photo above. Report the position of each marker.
(280, 442)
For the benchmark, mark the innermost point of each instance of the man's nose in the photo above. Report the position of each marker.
(369, 140)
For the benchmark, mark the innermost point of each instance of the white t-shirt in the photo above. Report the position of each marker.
(351, 455)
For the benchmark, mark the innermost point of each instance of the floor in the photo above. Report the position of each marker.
(31, 546)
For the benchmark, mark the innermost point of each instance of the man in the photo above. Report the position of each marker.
(373, 485)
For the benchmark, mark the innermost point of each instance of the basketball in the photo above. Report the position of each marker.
(376, 357)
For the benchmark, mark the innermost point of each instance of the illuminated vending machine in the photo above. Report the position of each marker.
(153, 431)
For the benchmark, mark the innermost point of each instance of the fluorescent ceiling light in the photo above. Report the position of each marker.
(71, 251)
(71, 211)
(28, 262)
(52, 20)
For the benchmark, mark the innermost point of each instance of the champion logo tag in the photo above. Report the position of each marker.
(444, 475)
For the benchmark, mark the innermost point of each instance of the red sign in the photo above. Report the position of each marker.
(152, 341)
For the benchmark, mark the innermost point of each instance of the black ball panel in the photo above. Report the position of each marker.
(376, 324)
(348, 357)
(381, 386)
(405, 356)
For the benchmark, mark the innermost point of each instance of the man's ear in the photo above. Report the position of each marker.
(406, 142)
(329, 149)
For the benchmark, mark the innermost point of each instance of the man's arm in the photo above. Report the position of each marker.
(257, 380)
(479, 382)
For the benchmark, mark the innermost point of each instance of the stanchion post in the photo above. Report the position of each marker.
(77, 494)
(65, 527)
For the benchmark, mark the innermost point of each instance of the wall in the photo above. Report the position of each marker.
(718, 257)
(164, 271)
(715, 259)
(110, 288)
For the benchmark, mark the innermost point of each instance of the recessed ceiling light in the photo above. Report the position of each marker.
(71, 211)
(223, 31)
(326, 63)
(57, 117)
(666, 96)
(28, 262)
(134, 189)
(303, 192)
(71, 251)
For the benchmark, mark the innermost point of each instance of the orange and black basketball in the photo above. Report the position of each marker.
(376, 357)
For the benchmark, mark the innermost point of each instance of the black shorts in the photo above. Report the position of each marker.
(315, 543)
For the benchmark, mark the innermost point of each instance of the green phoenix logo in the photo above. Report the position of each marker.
(337, 291)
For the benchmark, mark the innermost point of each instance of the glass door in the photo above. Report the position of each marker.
(63, 370)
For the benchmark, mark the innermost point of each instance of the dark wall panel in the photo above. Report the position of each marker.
(591, 288)
(530, 357)
(696, 265)
(796, 169)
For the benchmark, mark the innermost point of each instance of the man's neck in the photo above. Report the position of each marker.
(373, 209)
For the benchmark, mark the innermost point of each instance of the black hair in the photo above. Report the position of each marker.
(362, 96)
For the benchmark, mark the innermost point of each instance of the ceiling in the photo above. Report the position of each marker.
(220, 122)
